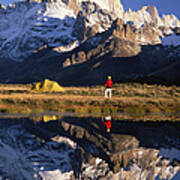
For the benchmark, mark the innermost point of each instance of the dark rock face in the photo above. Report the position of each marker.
(117, 41)
(79, 27)
(91, 63)
(177, 31)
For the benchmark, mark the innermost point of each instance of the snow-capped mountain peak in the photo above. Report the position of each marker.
(63, 24)
(28, 26)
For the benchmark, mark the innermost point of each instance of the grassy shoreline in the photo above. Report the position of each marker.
(130, 100)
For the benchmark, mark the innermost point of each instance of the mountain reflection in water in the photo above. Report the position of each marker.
(80, 147)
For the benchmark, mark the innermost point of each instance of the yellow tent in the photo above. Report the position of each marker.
(47, 86)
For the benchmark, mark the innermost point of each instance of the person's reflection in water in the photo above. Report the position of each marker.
(107, 123)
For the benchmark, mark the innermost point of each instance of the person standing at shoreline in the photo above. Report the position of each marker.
(108, 85)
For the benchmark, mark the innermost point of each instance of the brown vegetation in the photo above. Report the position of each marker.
(129, 101)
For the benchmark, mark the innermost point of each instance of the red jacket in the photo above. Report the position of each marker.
(109, 83)
(107, 124)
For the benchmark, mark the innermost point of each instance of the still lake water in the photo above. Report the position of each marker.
(26, 153)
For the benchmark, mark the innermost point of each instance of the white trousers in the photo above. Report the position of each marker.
(108, 92)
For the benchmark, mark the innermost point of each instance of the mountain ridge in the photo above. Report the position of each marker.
(82, 46)
(52, 23)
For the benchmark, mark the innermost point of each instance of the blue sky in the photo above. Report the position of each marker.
(164, 6)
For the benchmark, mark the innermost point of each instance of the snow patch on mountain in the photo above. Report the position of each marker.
(58, 10)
